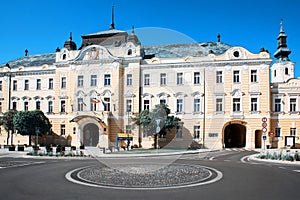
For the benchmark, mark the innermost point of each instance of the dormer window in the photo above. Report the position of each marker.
(129, 53)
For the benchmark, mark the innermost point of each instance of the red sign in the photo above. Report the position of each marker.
(264, 130)
(264, 124)
(264, 119)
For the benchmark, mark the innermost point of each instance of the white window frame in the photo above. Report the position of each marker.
(296, 104)
(222, 104)
(294, 132)
(146, 79)
(107, 79)
(129, 79)
(236, 77)
(179, 78)
(94, 80)
(197, 132)
(197, 78)
(197, 105)
(219, 76)
(163, 79)
(254, 76)
(275, 97)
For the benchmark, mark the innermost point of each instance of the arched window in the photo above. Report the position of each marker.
(64, 57)
(274, 73)
(129, 53)
(286, 71)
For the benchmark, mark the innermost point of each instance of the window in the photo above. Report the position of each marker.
(253, 76)
(63, 82)
(62, 129)
(0, 85)
(26, 84)
(37, 105)
(277, 132)
(38, 84)
(129, 79)
(106, 79)
(50, 84)
(146, 104)
(219, 77)
(196, 77)
(63, 106)
(163, 79)
(93, 105)
(179, 78)
(128, 105)
(163, 101)
(80, 104)
(236, 104)
(179, 107)
(254, 104)
(277, 106)
(15, 85)
(196, 132)
(236, 76)
(93, 80)
(293, 104)
(106, 104)
(286, 71)
(25, 105)
(197, 105)
(147, 79)
(50, 106)
(80, 81)
(74, 130)
(274, 73)
(219, 104)
(14, 106)
(293, 131)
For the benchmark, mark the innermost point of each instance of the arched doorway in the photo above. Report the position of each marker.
(235, 136)
(90, 135)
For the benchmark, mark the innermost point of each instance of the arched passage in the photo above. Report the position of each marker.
(90, 135)
(235, 136)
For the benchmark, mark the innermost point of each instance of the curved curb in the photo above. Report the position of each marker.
(69, 177)
(254, 158)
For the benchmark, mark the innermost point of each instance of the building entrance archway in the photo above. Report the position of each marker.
(235, 136)
(90, 135)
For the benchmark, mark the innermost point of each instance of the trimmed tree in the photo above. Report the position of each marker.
(26, 122)
(7, 122)
(157, 121)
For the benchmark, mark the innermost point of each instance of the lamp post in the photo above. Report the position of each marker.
(9, 135)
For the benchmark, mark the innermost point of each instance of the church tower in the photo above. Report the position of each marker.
(283, 68)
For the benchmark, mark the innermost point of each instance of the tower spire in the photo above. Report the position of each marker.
(283, 51)
(112, 25)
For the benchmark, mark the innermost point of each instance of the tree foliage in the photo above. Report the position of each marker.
(157, 117)
(7, 120)
(26, 122)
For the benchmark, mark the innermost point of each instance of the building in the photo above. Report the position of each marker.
(220, 92)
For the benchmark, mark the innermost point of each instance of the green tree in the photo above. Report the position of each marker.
(7, 122)
(26, 122)
(157, 121)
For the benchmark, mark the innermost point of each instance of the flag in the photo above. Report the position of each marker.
(96, 100)
(104, 102)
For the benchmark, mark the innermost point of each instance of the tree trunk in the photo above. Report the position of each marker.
(29, 143)
(155, 141)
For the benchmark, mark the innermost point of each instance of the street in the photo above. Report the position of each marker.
(35, 179)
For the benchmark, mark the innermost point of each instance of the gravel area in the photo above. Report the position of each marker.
(145, 176)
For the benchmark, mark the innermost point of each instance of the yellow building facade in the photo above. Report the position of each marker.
(220, 92)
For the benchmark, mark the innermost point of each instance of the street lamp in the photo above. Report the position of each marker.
(9, 135)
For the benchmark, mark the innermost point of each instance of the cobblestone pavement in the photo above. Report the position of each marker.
(145, 176)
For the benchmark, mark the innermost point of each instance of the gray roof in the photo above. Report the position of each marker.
(183, 50)
(160, 51)
(106, 32)
(34, 60)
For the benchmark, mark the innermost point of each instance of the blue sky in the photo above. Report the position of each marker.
(41, 26)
